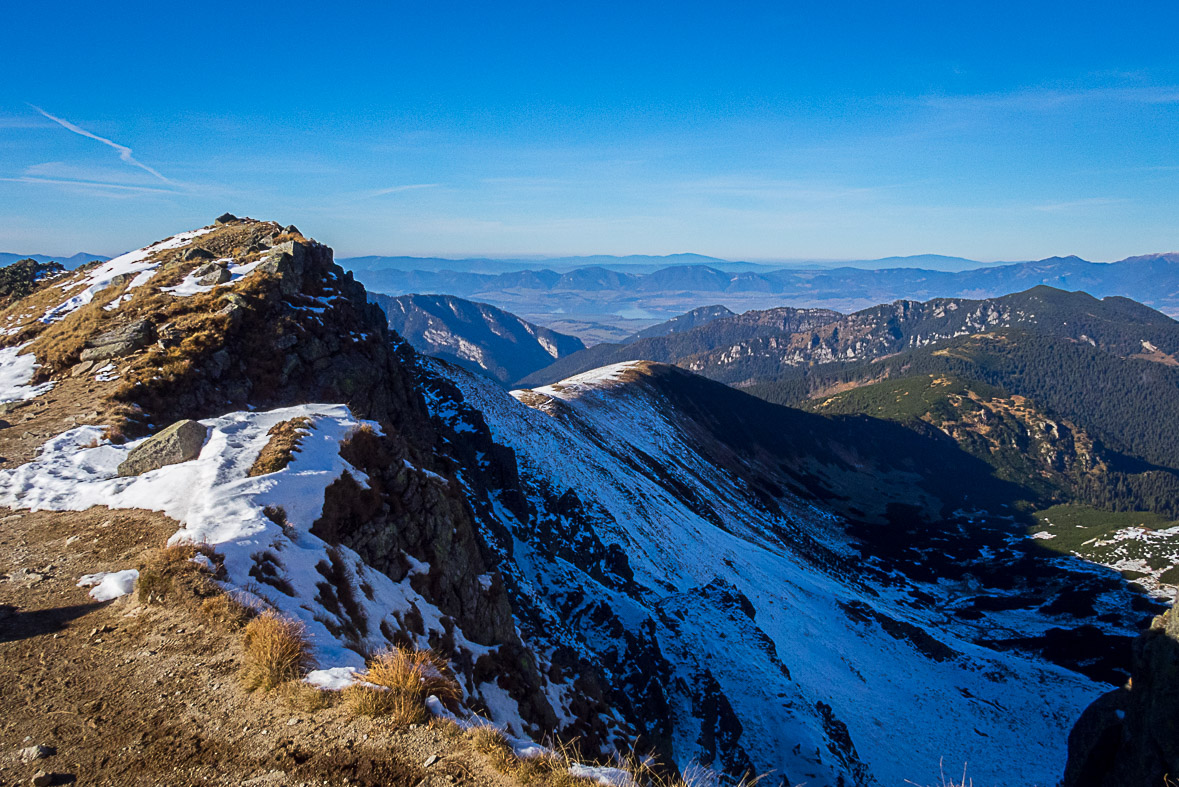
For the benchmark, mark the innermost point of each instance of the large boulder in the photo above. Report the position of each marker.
(211, 273)
(180, 442)
(121, 341)
(287, 261)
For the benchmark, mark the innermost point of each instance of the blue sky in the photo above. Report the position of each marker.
(754, 131)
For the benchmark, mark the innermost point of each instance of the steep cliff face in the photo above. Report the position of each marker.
(661, 538)
(365, 535)
(1129, 737)
(476, 336)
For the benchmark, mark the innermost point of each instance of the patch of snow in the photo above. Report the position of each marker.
(204, 562)
(217, 503)
(189, 286)
(334, 679)
(424, 472)
(106, 374)
(109, 585)
(138, 262)
(587, 381)
(603, 774)
(16, 371)
(1043, 535)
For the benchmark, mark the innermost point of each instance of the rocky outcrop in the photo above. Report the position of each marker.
(121, 341)
(1129, 737)
(180, 442)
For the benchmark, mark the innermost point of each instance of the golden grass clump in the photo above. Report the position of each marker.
(549, 768)
(402, 679)
(275, 649)
(285, 437)
(226, 611)
(305, 697)
(163, 572)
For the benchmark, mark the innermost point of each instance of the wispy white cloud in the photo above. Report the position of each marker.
(124, 151)
(363, 195)
(399, 189)
(90, 185)
(1045, 99)
(1068, 205)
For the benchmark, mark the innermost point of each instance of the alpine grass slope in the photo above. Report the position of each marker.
(635, 557)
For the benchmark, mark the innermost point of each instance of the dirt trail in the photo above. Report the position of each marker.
(131, 694)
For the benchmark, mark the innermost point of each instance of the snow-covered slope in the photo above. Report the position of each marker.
(635, 557)
(745, 631)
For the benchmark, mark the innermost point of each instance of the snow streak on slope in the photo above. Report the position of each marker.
(138, 262)
(16, 372)
(218, 504)
(771, 650)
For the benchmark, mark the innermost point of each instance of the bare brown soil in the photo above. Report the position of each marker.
(135, 694)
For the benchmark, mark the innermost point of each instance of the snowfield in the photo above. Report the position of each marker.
(820, 694)
(217, 504)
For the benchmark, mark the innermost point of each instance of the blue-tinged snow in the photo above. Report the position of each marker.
(1006, 714)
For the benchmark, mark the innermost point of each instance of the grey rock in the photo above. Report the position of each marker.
(121, 341)
(287, 261)
(219, 363)
(291, 229)
(433, 758)
(225, 218)
(197, 253)
(8, 407)
(204, 270)
(218, 275)
(180, 442)
(37, 752)
(234, 309)
(41, 779)
(168, 336)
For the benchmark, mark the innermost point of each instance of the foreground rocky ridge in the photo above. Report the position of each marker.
(276, 324)
(633, 557)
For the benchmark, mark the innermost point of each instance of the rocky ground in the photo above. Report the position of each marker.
(124, 693)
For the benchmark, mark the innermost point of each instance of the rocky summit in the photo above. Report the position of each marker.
(308, 554)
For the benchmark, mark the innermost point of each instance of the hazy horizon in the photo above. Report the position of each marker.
(760, 132)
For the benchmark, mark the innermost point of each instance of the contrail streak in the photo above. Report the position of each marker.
(124, 151)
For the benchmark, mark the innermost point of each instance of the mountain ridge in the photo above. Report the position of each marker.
(638, 554)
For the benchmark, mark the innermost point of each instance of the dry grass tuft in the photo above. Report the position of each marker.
(305, 697)
(402, 679)
(278, 452)
(649, 772)
(398, 709)
(276, 651)
(165, 571)
(226, 611)
(550, 768)
(944, 782)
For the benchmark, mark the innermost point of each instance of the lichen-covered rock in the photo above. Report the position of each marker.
(121, 341)
(1129, 737)
(180, 442)
(217, 274)
(197, 253)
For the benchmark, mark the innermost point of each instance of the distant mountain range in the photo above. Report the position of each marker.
(476, 336)
(644, 263)
(69, 263)
(1151, 279)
